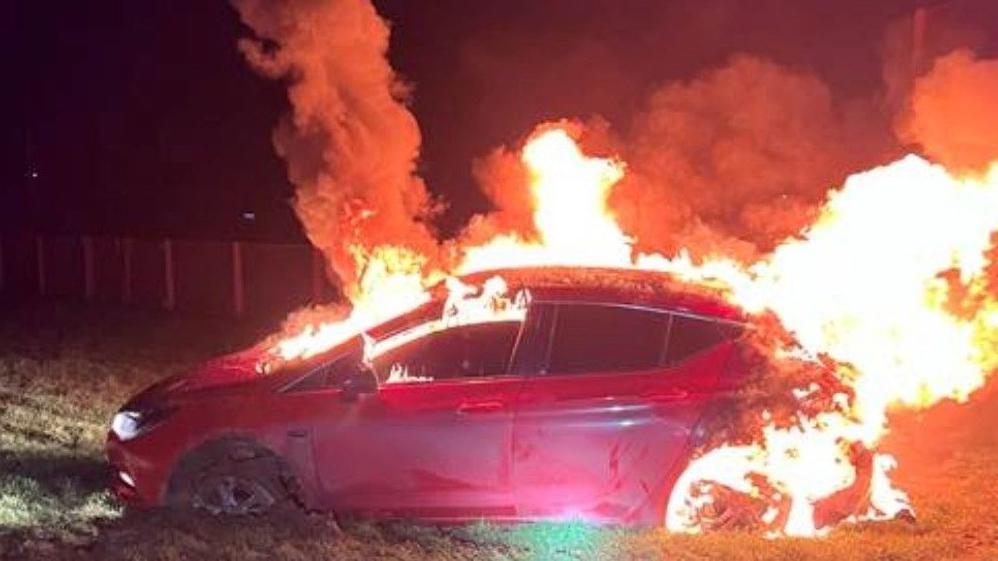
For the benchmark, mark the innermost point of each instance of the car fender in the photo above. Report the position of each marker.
(291, 474)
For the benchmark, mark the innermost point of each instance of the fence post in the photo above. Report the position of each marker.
(40, 256)
(238, 302)
(170, 294)
(89, 279)
(125, 246)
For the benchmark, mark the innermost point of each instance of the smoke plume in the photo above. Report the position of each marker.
(952, 114)
(731, 161)
(504, 179)
(746, 150)
(728, 163)
(350, 142)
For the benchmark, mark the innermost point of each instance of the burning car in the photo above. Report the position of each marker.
(549, 393)
(556, 389)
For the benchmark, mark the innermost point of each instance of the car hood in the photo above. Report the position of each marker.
(222, 371)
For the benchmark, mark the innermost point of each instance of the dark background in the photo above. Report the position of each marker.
(141, 118)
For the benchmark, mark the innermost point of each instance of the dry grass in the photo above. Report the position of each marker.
(63, 370)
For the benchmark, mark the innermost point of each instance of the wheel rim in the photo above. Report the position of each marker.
(713, 506)
(229, 494)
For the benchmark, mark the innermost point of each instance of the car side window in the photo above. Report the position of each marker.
(690, 335)
(470, 351)
(331, 372)
(603, 338)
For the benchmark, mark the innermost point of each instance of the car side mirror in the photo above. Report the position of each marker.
(361, 381)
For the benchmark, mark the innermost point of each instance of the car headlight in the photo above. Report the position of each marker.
(128, 424)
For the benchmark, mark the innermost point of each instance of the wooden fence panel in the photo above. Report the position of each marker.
(148, 274)
(108, 269)
(203, 276)
(63, 267)
(263, 280)
(276, 278)
(20, 266)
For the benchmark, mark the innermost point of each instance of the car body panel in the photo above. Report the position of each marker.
(421, 449)
(598, 446)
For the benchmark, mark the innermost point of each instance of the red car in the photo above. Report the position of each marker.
(587, 407)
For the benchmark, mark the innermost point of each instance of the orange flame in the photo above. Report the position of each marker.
(864, 286)
(570, 192)
(391, 283)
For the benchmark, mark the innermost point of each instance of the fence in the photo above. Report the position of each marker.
(234, 278)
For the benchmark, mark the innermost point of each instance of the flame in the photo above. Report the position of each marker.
(391, 283)
(865, 286)
(570, 192)
(890, 283)
(399, 374)
(465, 305)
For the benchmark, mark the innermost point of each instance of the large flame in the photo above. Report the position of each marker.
(870, 285)
(570, 192)
(889, 283)
(392, 282)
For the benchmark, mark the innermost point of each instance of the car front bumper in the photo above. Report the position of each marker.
(138, 477)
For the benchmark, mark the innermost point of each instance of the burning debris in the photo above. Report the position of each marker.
(879, 299)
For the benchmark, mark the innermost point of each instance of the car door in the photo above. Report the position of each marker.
(436, 438)
(610, 408)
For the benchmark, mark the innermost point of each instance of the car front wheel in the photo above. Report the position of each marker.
(234, 479)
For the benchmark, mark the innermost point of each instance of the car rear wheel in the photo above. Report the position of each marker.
(233, 479)
(715, 507)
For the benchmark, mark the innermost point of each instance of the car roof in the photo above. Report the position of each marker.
(570, 284)
(620, 286)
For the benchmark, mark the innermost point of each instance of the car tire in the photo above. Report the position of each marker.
(708, 506)
(729, 510)
(231, 478)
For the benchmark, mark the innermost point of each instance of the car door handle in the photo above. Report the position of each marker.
(667, 395)
(476, 407)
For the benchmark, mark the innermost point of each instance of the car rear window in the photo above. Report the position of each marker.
(600, 338)
(690, 335)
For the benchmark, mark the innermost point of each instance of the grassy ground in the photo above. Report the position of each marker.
(64, 369)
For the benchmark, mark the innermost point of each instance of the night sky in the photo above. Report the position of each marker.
(143, 118)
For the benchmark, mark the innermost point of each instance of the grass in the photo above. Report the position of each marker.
(64, 369)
